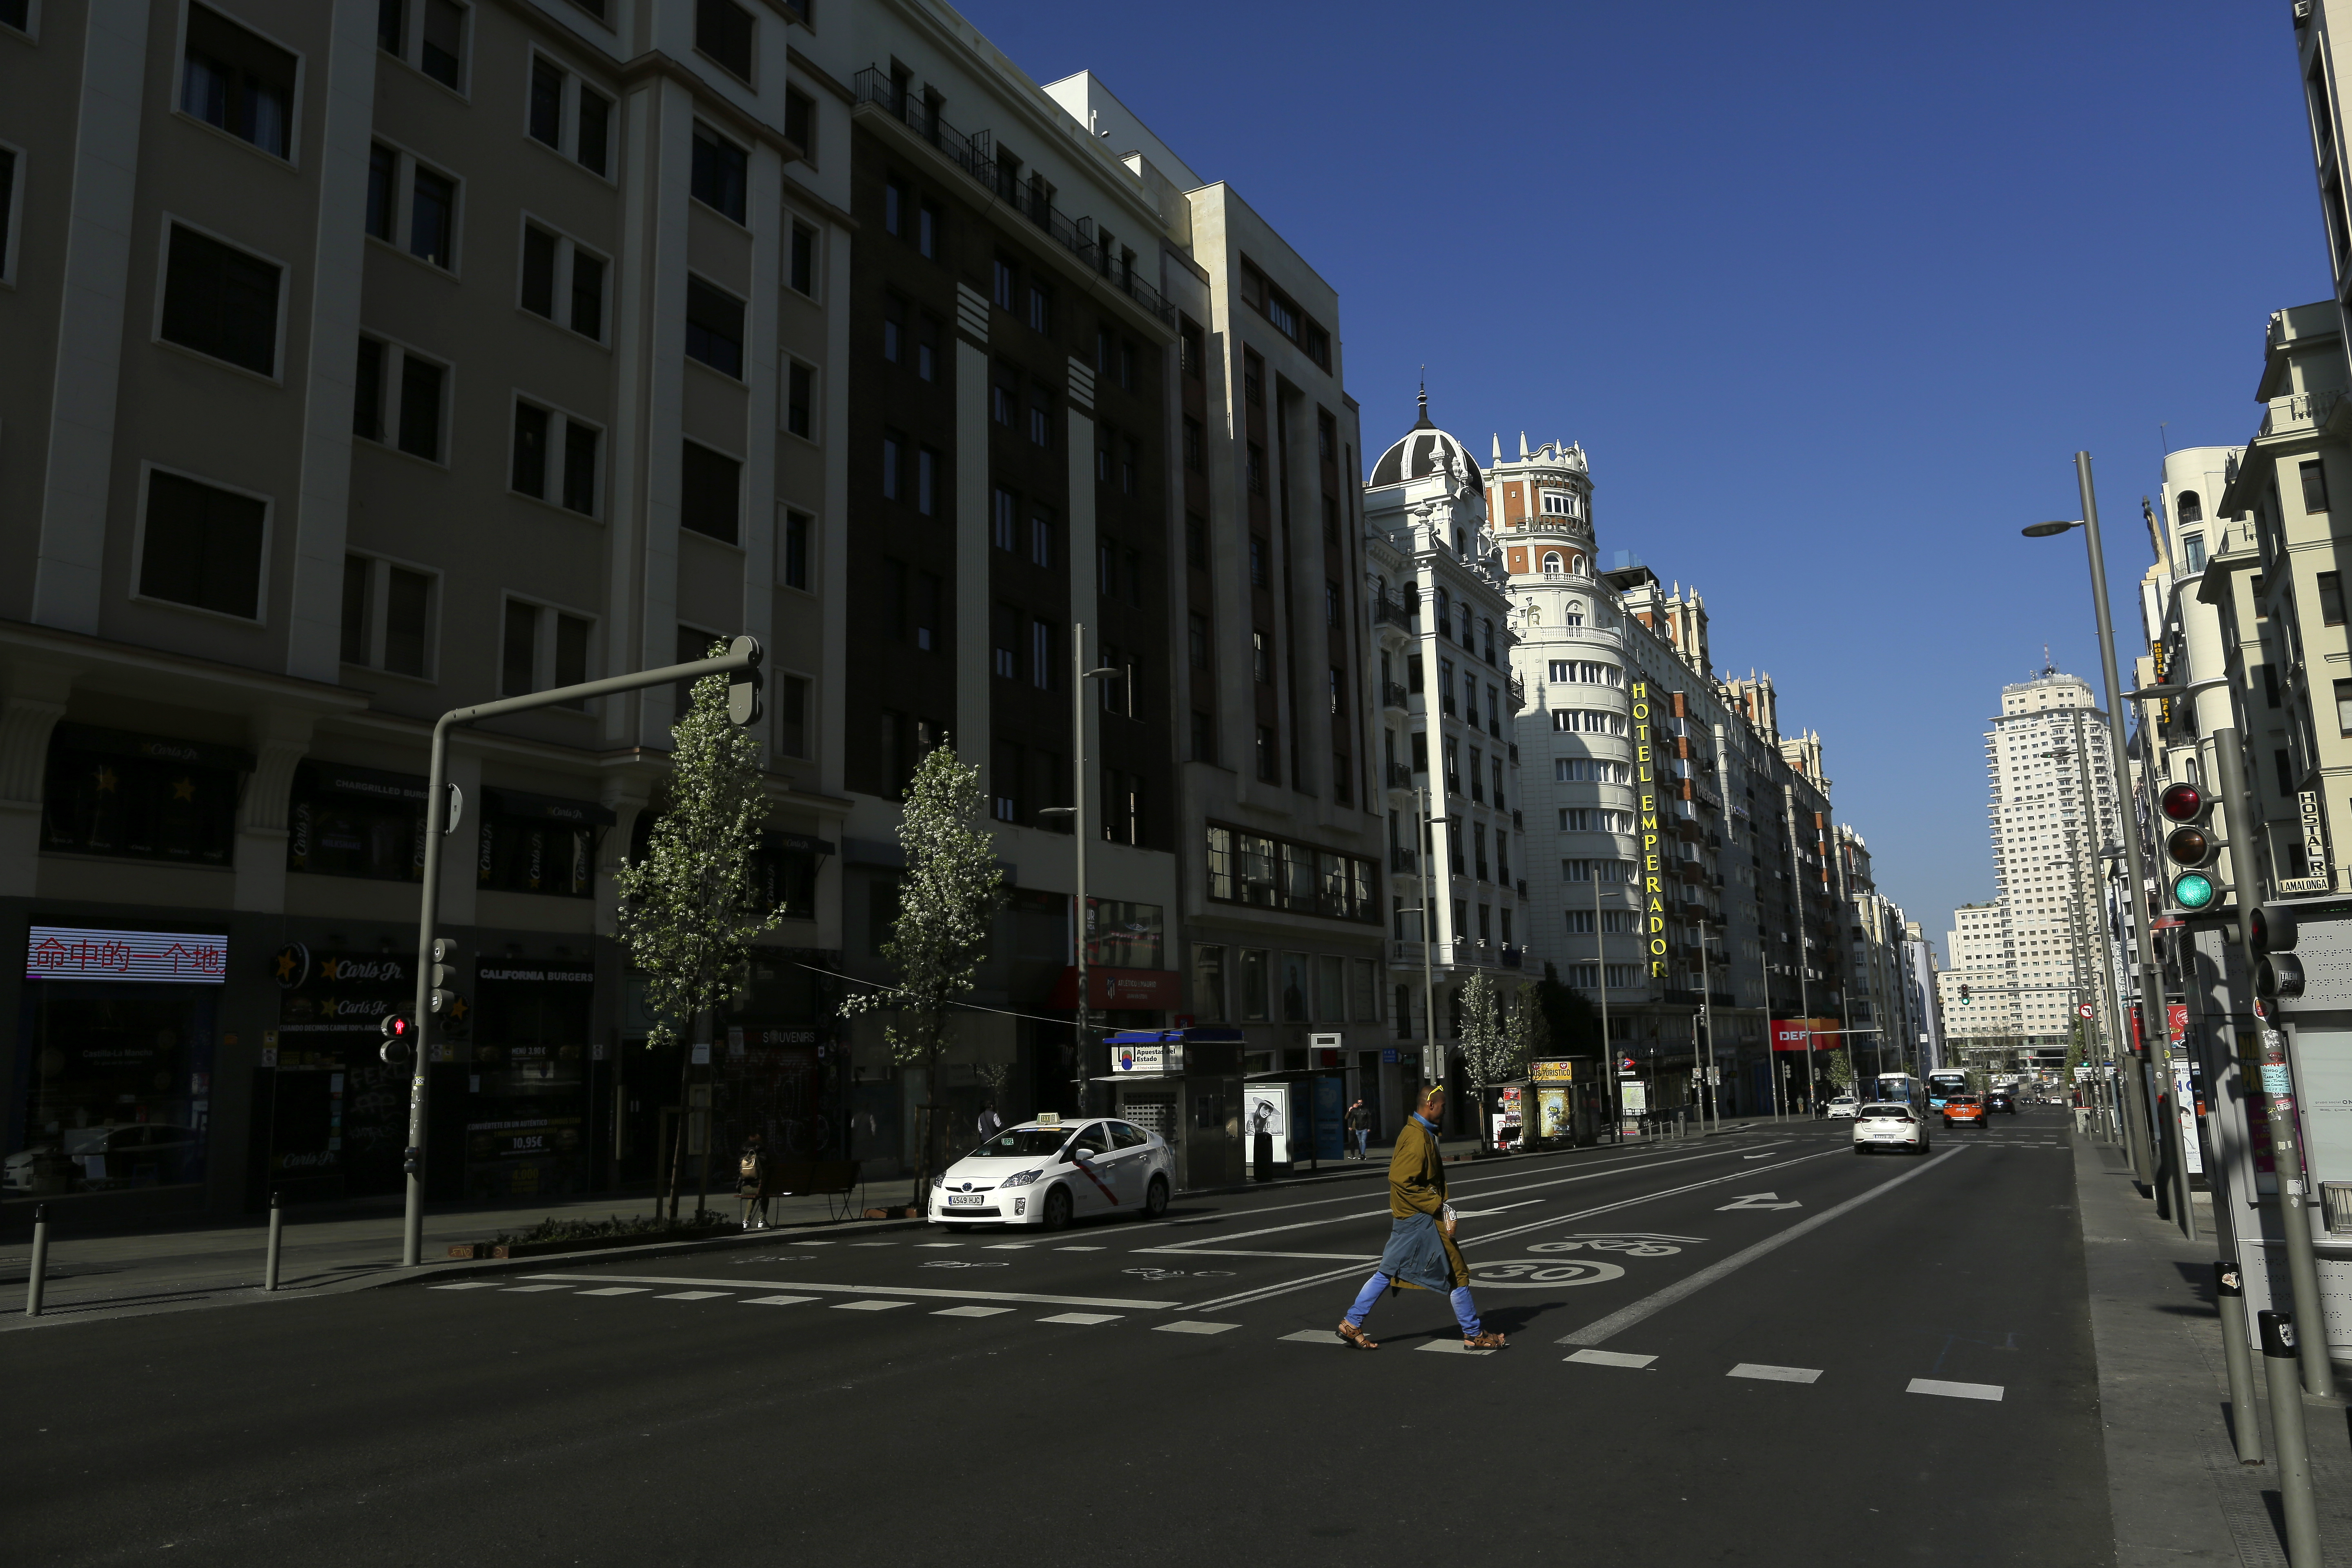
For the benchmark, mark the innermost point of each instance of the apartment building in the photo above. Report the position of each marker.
(2039, 952)
(1449, 745)
(372, 361)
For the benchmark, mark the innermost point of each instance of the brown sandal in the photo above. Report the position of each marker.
(1355, 1336)
(1489, 1340)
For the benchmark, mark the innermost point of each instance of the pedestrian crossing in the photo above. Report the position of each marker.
(1620, 1361)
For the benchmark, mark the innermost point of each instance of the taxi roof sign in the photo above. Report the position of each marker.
(1049, 1119)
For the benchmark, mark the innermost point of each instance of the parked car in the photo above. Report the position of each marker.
(91, 1159)
(1889, 1124)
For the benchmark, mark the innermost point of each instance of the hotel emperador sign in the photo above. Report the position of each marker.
(1645, 774)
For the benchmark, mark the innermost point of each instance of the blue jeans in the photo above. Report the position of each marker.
(1466, 1312)
(1362, 1133)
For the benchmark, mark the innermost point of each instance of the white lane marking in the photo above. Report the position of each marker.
(1314, 1337)
(690, 1295)
(787, 1300)
(617, 1291)
(873, 1244)
(939, 1244)
(1763, 1373)
(1755, 1156)
(868, 1306)
(1244, 1252)
(969, 1311)
(1009, 1245)
(1244, 1297)
(464, 1285)
(1611, 1357)
(812, 1243)
(1626, 1317)
(1955, 1390)
(526, 1289)
(1452, 1347)
(1192, 1326)
(1083, 1319)
(1760, 1201)
(929, 1293)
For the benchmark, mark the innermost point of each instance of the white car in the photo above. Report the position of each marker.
(1047, 1172)
(1842, 1107)
(1889, 1124)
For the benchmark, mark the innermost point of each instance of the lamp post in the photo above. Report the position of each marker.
(2151, 1000)
(1077, 812)
(1432, 1054)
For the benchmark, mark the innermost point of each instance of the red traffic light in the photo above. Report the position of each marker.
(2181, 802)
(395, 1026)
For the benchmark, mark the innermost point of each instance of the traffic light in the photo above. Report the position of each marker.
(743, 691)
(2277, 972)
(445, 975)
(2190, 844)
(1964, 998)
(399, 1034)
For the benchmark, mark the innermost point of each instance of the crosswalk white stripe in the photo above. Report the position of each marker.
(1992, 1391)
(1763, 1373)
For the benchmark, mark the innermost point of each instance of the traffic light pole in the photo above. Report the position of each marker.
(742, 658)
(2279, 1112)
(2151, 998)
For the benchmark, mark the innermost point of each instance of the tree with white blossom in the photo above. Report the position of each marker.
(688, 908)
(946, 901)
(1490, 1042)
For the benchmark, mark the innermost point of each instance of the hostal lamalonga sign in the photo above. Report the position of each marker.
(1646, 778)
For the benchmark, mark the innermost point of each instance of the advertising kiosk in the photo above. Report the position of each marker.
(1186, 1086)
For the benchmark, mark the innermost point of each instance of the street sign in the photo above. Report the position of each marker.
(2083, 1010)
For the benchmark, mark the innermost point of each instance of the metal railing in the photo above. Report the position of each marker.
(1402, 860)
(1393, 611)
(974, 154)
(1393, 695)
(1400, 776)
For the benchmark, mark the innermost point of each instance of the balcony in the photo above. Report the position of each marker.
(1518, 693)
(1518, 821)
(1393, 695)
(974, 154)
(1391, 612)
(1403, 862)
(2300, 414)
(1512, 957)
(1400, 776)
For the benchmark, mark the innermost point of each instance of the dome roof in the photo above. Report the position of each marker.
(1424, 449)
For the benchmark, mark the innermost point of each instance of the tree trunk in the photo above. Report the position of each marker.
(926, 1117)
(685, 1113)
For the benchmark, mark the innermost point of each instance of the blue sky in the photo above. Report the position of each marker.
(1831, 294)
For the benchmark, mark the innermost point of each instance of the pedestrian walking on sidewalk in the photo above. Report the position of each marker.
(1357, 1133)
(752, 1182)
(1421, 1253)
(991, 1124)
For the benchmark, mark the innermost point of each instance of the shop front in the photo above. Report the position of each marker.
(330, 1115)
(114, 1073)
(527, 1066)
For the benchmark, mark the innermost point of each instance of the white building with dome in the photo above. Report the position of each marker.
(1448, 709)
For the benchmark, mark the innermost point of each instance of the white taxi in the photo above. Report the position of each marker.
(1842, 1107)
(1889, 1124)
(1048, 1171)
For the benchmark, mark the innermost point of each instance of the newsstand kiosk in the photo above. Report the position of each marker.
(1186, 1086)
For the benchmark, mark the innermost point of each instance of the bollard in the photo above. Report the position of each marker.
(36, 1279)
(2229, 1300)
(276, 1236)
(2286, 1380)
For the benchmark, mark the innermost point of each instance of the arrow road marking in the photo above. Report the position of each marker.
(1760, 1201)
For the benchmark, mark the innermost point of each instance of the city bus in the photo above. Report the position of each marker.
(1900, 1089)
(1944, 1083)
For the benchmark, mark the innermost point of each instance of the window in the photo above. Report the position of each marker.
(1131, 464)
(539, 434)
(894, 462)
(1041, 308)
(800, 272)
(926, 482)
(420, 383)
(931, 224)
(1204, 738)
(2189, 509)
(1257, 561)
(2315, 485)
(1331, 604)
(2284, 760)
(1267, 755)
(383, 194)
(798, 527)
(1000, 283)
(581, 467)
(1041, 655)
(1196, 539)
(1040, 416)
(202, 546)
(896, 200)
(714, 328)
(367, 393)
(792, 715)
(387, 615)
(2344, 707)
(539, 250)
(708, 500)
(799, 399)
(1004, 652)
(893, 327)
(2331, 598)
(1196, 444)
(543, 105)
(540, 648)
(926, 349)
(239, 81)
(800, 121)
(722, 30)
(220, 301)
(2192, 552)
(718, 177)
(1002, 507)
(1261, 663)
(528, 470)
(107, 794)
(432, 218)
(441, 48)
(1041, 539)
(1192, 350)
(1256, 469)
(592, 133)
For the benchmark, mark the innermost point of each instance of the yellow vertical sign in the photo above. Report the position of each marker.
(1646, 781)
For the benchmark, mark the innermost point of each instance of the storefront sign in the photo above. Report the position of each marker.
(1561, 1070)
(2321, 876)
(170, 957)
(1146, 989)
(1167, 1059)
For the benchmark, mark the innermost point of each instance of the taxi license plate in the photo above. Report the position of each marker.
(966, 1200)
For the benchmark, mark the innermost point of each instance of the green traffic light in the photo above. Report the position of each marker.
(2192, 889)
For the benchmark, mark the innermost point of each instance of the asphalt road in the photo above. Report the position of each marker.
(1758, 1349)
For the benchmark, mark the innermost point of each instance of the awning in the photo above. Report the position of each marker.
(800, 843)
(367, 783)
(511, 803)
(157, 748)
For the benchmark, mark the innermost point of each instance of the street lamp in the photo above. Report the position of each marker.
(1077, 816)
(2151, 1000)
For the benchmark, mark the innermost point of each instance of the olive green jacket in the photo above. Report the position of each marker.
(1416, 1173)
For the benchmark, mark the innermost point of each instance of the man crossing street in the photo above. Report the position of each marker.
(1421, 1253)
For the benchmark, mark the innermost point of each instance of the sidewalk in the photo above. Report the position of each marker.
(2174, 1488)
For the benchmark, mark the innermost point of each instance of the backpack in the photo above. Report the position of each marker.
(749, 1170)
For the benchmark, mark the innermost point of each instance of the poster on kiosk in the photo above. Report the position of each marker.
(1265, 1124)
